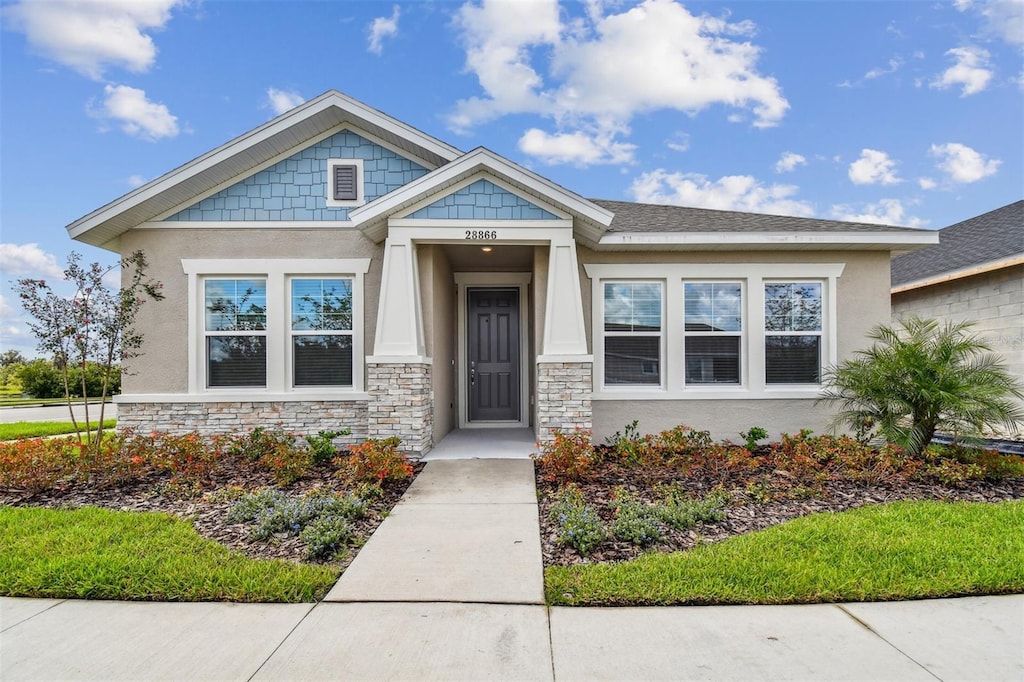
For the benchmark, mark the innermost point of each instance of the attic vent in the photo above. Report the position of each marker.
(345, 183)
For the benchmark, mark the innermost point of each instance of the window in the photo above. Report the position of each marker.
(713, 325)
(323, 306)
(792, 327)
(280, 328)
(344, 183)
(632, 333)
(235, 331)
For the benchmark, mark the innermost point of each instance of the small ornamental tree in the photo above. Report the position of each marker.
(93, 325)
(919, 378)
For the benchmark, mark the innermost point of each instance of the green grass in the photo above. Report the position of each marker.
(93, 553)
(17, 430)
(904, 550)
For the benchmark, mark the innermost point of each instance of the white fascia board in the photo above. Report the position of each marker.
(477, 160)
(979, 269)
(899, 239)
(249, 225)
(329, 99)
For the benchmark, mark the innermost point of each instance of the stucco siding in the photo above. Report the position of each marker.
(994, 301)
(439, 328)
(296, 188)
(163, 365)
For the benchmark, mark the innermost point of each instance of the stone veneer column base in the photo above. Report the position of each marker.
(210, 418)
(401, 404)
(563, 397)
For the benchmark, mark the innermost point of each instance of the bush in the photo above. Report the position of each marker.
(682, 440)
(322, 447)
(271, 511)
(566, 458)
(375, 461)
(41, 379)
(579, 525)
(275, 450)
(751, 437)
(635, 521)
(682, 512)
(325, 537)
(631, 447)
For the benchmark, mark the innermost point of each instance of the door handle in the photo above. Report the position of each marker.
(472, 373)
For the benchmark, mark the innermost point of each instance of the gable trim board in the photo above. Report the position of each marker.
(960, 274)
(409, 282)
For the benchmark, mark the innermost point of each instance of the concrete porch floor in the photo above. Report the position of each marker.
(485, 444)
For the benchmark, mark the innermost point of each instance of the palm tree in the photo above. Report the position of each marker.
(919, 378)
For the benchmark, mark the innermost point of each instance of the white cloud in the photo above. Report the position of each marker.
(873, 168)
(92, 36)
(135, 181)
(679, 142)
(788, 162)
(601, 71)
(1001, 18)
(884, 212)
(577, 148)
(961, 163)
(731, 192)
(137, 116)
(970, 71)
(927, 183)
(894, 65)
(381, 28)
(281, 101)
(28, 260)
(6, 310)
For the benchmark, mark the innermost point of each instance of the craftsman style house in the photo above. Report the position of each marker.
(338, 268)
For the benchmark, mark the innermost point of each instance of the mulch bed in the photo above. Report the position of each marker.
(207, 508)
(749, 510)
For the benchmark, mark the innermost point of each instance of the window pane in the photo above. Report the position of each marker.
(322, 304)
(792, 307)
(322, 360)
(235, 304)
(236, 361)
(713, 306)
(632, 360)
(792, 359)
(712, 359)
(632, 307)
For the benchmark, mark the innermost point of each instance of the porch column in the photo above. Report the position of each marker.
(564, 368)
(398, 377)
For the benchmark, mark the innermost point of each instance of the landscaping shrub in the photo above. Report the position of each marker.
(682, 440)
(682, 512)
(566, 458)
(635, 521)
(631, 447)
(751, 437)
(722, 462)
(579, 525)
(376, 461)
(275, 450)
(321, 445)
(326, 537)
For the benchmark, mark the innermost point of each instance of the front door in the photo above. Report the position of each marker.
(493, 354)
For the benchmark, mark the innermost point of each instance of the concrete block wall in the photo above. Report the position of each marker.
(296, 188)
(483, 200)
(563, 397)
(994, 300)
(237, 417)
(401, 404)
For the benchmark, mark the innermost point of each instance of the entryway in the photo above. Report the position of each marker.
(518, 443)
(492, 348)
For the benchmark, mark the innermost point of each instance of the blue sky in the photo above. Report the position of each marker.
(906, 113)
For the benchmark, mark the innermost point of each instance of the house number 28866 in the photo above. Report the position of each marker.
(481, 234)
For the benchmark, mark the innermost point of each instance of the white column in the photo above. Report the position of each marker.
(399, 314)
(564, 333)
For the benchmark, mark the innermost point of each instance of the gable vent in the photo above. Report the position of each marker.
(345, 183)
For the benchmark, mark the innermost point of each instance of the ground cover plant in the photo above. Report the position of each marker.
(266, 493)
(16, 430)
(660, 496)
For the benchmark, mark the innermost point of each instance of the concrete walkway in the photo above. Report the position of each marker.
(450, 588)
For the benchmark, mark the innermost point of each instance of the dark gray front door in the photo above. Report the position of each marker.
(493, 346)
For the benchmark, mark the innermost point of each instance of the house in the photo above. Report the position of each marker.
(975, 273)
(336, 267)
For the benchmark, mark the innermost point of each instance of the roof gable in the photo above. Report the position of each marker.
(482, 200)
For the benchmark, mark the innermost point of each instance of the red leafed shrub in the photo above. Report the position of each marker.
(566, 458)
(375, 461)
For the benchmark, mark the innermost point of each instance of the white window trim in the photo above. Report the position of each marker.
(753, 277)
(661, 334)
(277, 272)
(360, 184)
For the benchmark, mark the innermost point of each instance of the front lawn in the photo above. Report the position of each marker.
(93, 553)
(903, 550)
(17, 430)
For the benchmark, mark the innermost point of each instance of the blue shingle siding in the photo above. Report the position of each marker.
(483, 200)
(295, 188)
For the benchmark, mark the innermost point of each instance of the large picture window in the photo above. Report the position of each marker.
(713, 326)
(632, 333)
(235, 332)
(792, 327)
(321, 332)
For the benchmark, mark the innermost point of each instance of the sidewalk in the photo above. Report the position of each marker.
(450, 587)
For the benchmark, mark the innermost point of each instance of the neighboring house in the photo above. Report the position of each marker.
(975, 273)
(338, 268)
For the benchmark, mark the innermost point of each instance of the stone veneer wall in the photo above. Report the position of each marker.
(563, 397)
(401, 404)
(211, 418)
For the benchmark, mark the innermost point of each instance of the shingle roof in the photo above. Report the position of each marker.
(989, 237)
(630, 217)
